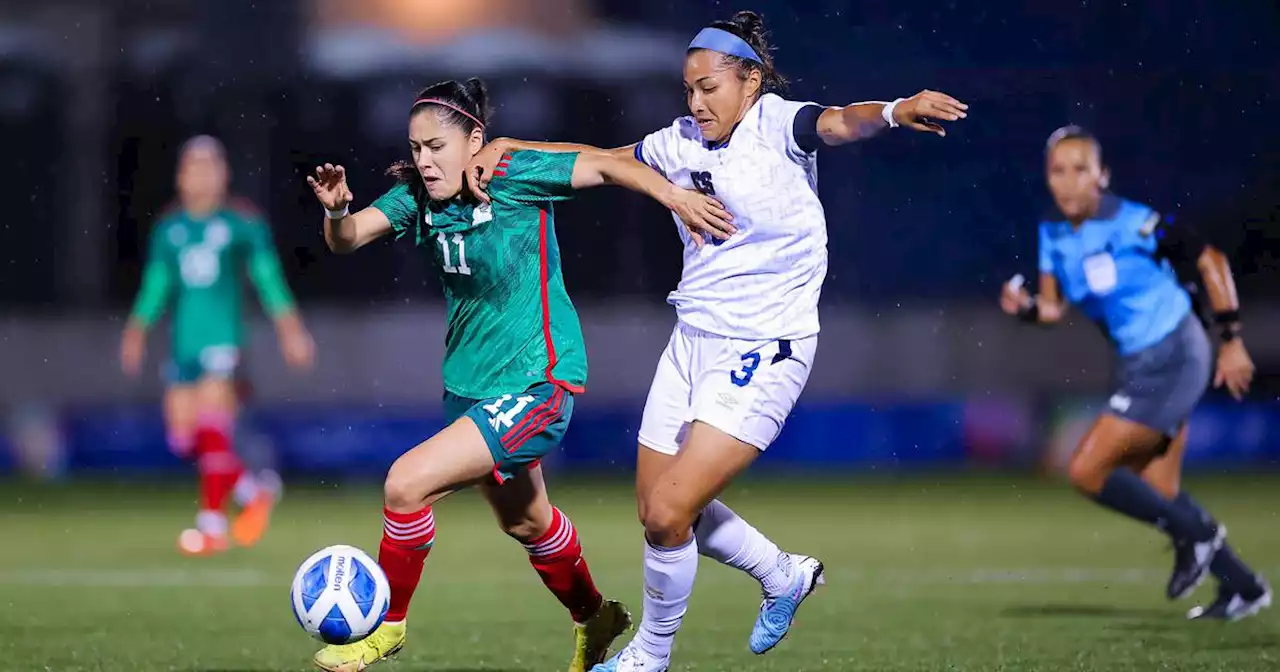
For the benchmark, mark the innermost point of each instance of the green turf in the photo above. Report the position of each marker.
(924, 574)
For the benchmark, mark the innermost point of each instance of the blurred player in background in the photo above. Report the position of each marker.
(1118, 262)
(747, 313)
(514, 354)
(198, 255)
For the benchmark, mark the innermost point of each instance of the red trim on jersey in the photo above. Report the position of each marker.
(546, 307)
(240, 205)
(500, 170)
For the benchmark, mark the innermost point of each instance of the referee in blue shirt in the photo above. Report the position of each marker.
(1117, 261)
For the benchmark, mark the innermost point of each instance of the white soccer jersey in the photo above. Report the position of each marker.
(764, 282)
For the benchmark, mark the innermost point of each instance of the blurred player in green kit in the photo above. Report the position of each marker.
(198, 256)
(514, 353)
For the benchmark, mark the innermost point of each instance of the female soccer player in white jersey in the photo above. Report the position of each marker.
(747, 313)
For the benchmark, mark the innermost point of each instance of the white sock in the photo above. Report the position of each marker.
(212, 523)
(725, 537)
(668, 583)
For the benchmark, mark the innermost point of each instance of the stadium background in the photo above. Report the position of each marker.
(920, 377)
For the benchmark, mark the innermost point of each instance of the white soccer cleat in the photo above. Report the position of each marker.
(632, 659)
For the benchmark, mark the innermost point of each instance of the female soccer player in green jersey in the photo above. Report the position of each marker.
(514, 354)
(198, 255)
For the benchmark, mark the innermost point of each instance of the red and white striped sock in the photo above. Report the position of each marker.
(406, 541)
(557, 557)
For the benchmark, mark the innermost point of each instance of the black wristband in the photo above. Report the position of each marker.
(1227, 316)
(1030, 313)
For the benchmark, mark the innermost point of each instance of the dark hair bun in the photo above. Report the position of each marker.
(750, 27)
(479, 96)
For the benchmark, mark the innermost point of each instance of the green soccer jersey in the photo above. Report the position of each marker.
(196, 266)
(511, 323)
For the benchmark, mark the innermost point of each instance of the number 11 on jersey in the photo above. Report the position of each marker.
(461, 244)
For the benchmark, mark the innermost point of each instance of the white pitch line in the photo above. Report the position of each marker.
(136, 578)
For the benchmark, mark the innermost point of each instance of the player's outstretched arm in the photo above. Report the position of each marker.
(344, 231)
(484, 163)
(859, 121)
(699, 212)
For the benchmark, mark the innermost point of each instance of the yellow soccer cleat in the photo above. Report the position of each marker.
(385, 642)
(591, 640)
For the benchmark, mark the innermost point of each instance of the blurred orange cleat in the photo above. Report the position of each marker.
(195, 542)
(253, 520)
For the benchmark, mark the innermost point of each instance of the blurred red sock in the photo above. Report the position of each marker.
(217, 463)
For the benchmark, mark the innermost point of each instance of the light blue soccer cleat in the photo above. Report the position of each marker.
(776, 613)
(632, 659)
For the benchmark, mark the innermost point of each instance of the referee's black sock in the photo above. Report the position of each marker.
(1226, 566)
(1126, 493)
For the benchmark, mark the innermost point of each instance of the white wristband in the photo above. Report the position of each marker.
(886, 113)
(339, 214)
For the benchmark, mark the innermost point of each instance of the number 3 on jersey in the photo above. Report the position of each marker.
(750, 362)
(459, 243)
(506, 418)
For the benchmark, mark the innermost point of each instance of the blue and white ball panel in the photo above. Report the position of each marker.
(340, 595)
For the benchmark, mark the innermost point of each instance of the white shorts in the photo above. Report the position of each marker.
(743, 388)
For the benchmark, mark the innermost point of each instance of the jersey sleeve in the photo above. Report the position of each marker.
(779, 122)
(157, 280)
(1046, 249)
(534, 177)
(658, 149)
(264, 269)
(400, 208)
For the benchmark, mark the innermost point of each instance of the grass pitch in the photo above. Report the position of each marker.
(923, 574)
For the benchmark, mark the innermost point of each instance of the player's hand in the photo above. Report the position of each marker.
(700, 214)
(296, 344)
(133, 347)
(480, 171)
(1014, 297)
(1235, 368)
(330, 186)
(923, 111)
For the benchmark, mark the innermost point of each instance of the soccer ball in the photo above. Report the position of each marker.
(340, 595)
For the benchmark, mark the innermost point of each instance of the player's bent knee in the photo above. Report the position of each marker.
(402, 492)
(1086, 476)
(662, 521)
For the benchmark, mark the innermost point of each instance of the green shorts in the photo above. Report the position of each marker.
(520, 429)
(215, 361)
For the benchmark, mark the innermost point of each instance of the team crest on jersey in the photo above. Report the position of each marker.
(481, 214)
(217, 234)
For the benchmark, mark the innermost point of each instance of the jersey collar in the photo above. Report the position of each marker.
(1108, 208)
